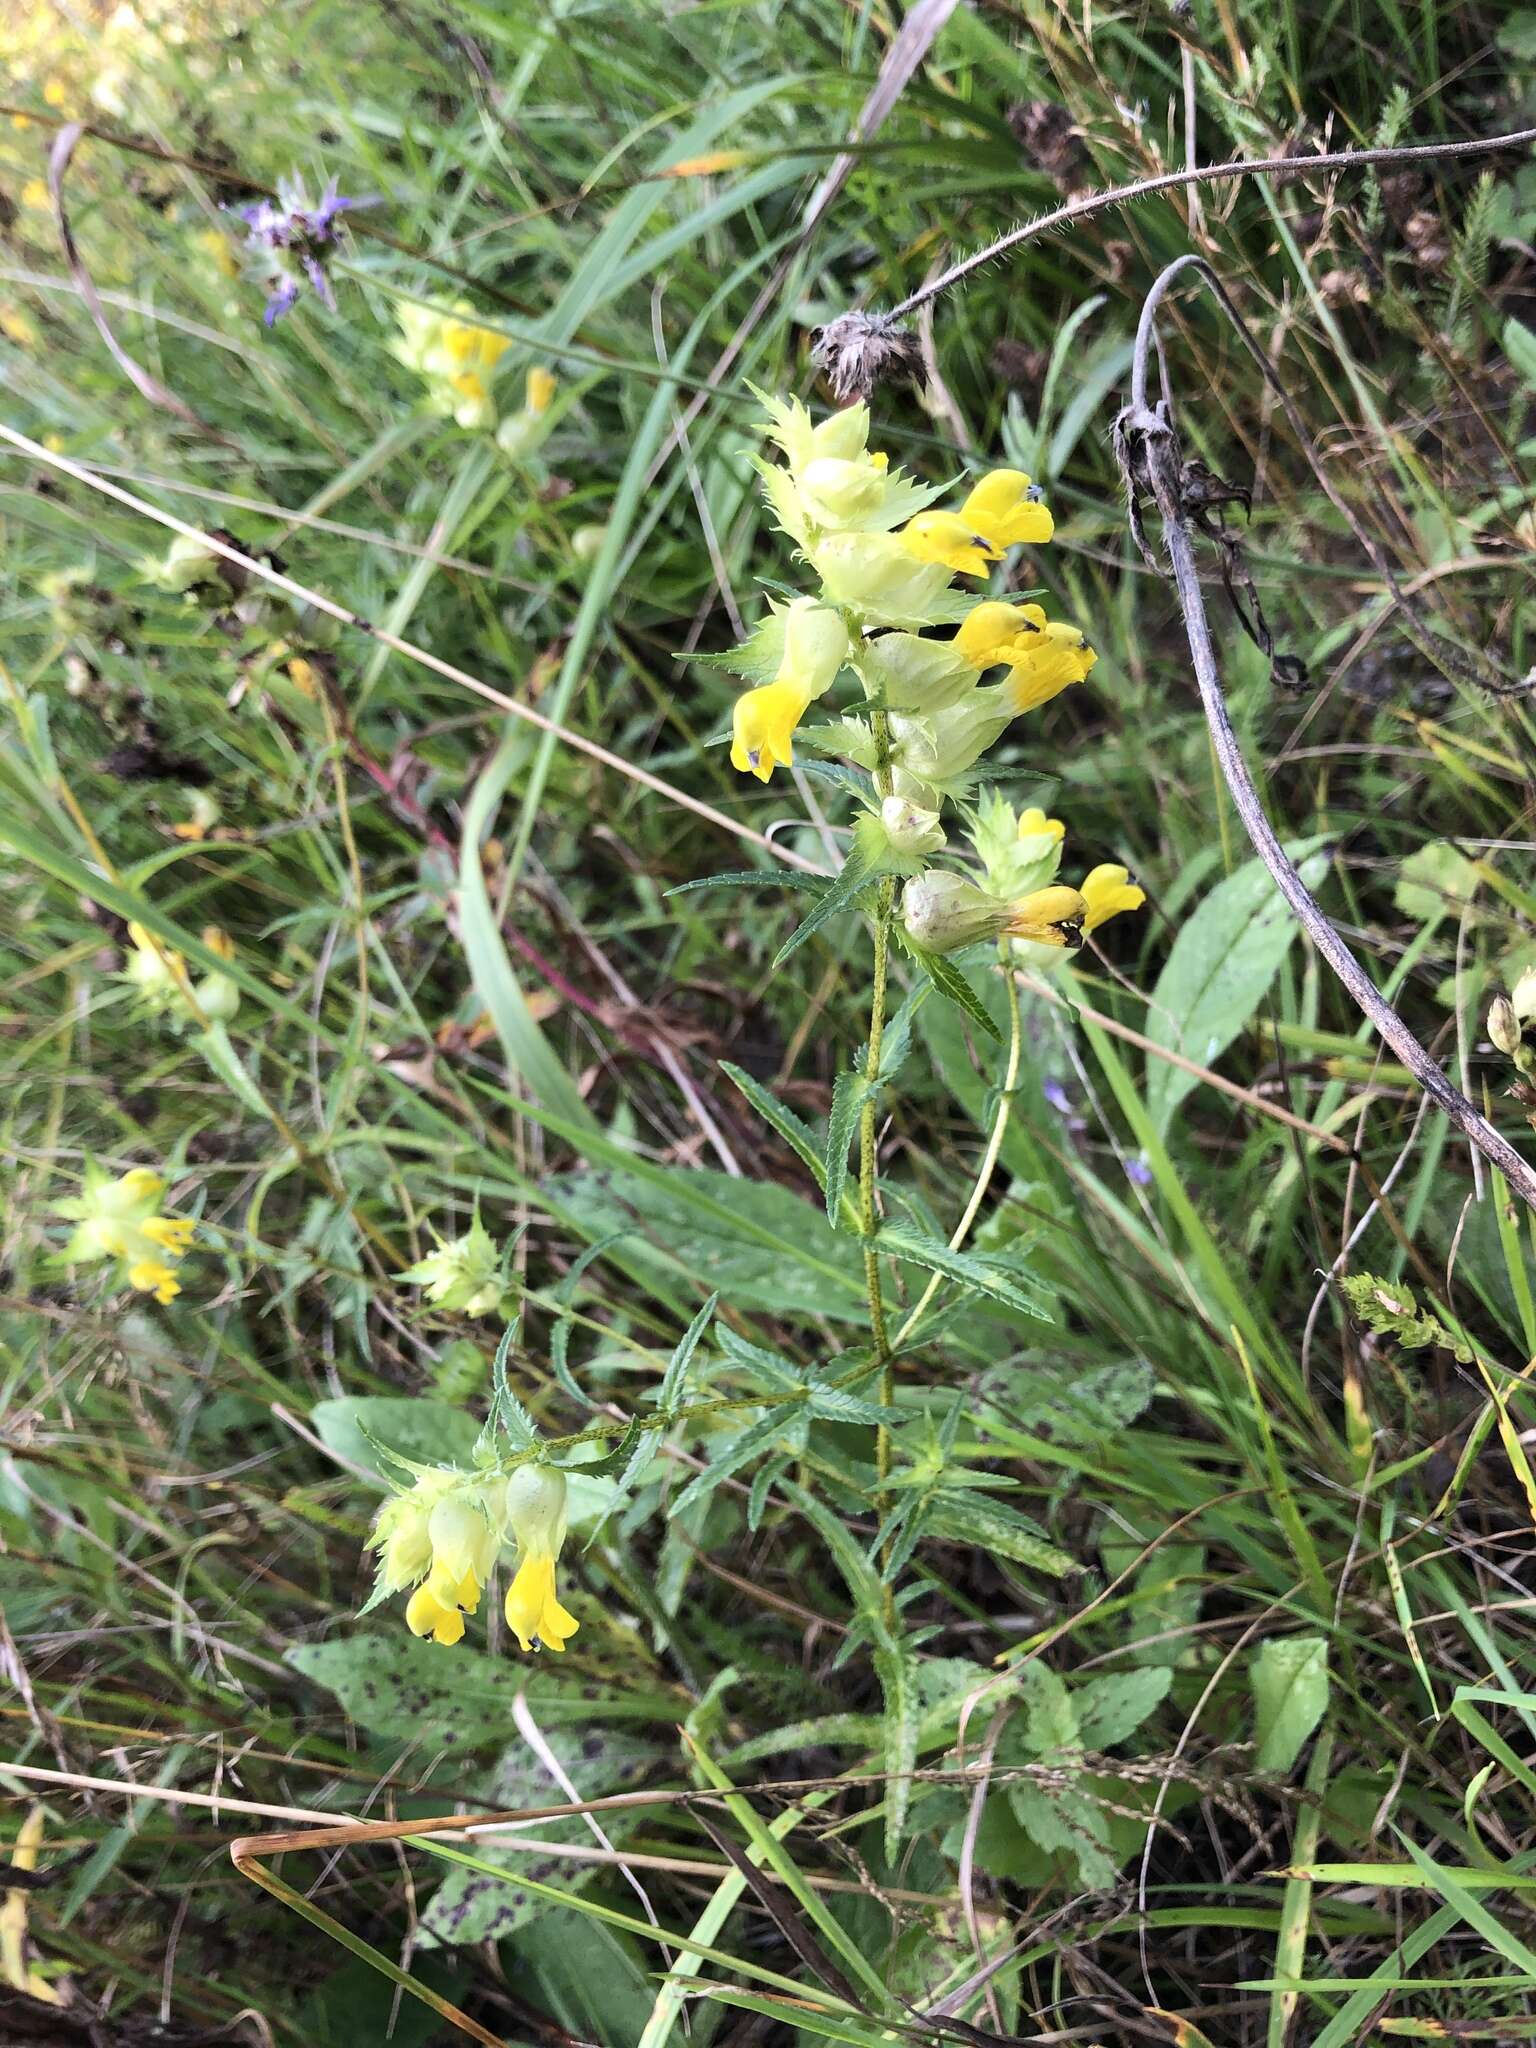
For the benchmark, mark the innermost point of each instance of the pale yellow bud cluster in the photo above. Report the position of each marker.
(454, 358)
(120, 1219)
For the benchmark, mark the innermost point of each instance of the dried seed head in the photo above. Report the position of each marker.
(857, 350)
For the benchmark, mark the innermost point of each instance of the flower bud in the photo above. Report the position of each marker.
(536, 1509)
(943, 912)
(909, 828)
(464, 1274)
(1522, 997)
(587, 542)
(839, 493)
(1504, 1026)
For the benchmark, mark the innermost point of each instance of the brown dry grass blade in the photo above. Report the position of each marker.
(776, 1903)
(144, 383)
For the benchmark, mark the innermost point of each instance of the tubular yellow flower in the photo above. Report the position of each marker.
(763, 728)
(948, 538)
(1002, 511)
(993, 632)
(536, 1518)
(763, 725)
(539, 389)
(153, 1276)
(427, 1615)
(1107, 890)
(1054, 657)
(1049, 917)
(115, 1219)
(1034, 824)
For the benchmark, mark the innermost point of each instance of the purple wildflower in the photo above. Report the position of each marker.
(1138, 1170)
(290, 228)
(1056, 1096)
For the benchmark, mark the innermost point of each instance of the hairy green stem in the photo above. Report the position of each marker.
(869, 1211)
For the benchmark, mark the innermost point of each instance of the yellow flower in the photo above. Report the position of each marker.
(205, 813)
(154, 971)
(1050, 917)
(1056, 656)
(533, 1610)
(992, 631)
(763, 728)
(763, 725)
(1034, 824)
(55, 92)
(1107, 890)
(18, 326)
(34, 193)
(1002, 511)
(153, 1276)
(536, 1518)
(946, 537)
(115, 1219)
(426, 1615)
(216, 247)
(539, 389)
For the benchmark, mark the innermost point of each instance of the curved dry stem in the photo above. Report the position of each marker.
(1262, 167)
(1150, 454)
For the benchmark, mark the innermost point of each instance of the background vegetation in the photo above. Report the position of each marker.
(1267, 1579)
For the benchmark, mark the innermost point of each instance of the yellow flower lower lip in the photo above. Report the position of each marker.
(1050, 917)
(533, 1612)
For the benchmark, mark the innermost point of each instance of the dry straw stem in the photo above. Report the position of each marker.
(407, 648)
(1262, 167)
(1149, 453)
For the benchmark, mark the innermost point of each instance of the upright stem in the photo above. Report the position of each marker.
(988, 1166)
(869, 1214)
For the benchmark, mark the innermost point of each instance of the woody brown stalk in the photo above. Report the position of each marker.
(1149, 454)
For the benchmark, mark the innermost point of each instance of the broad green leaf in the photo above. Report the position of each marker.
(1066, 1821)
(1218, 971)
(430, 1432)
(1109, 1709)
(398, 1686)
(759, 1244)
(1290, 1694)
(470, 1907)
(1436, 881)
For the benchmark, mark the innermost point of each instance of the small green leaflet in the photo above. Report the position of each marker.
(951, 984)
(982, 1276)
(850, 1091)
(752, 878)
(856, 874)
(795, 1133)
(677, 1365)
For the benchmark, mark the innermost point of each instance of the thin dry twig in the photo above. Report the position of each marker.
(407, 648)
(1090, 203)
